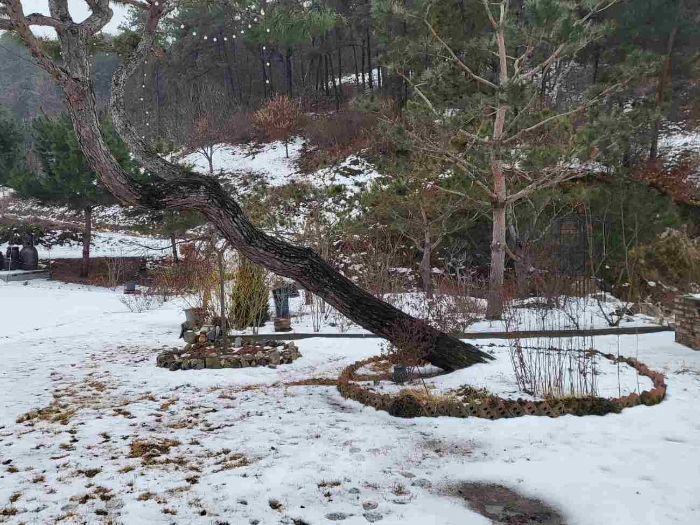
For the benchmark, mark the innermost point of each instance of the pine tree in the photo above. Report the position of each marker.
(11, 145)
(65, 177)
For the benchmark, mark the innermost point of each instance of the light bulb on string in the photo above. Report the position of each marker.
(249, 26)
(267, 82)
(225, 39)
(182, 26)
(205, 37)
(242, 32)
(264, 48)
(214, 39)
(194, 33)
(267, 64)
(268, 30)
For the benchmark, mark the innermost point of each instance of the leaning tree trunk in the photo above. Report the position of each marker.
(176, 188)
(87, 235)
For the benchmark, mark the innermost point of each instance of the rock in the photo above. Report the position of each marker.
(213, 362)
(185, 364)
(202, 338)
(274, 357)
(244, 363)
(408, 475)
(272, 366)
(355, 450)
(259, 355)
(190, 337)
(188, 347)
(373, 516)
(370, 505)
(237, 342)
(175, 366)
(337, 516)
(197, 364)
(254, 522)
(164, 359)
(422, 483)
(354, 490)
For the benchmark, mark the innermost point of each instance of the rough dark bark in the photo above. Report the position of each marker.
(87, 236)
(176, 188)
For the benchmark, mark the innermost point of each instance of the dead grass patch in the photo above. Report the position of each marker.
(331, 483)
(314, 381)
(142, 448)
(145, 496)
(170, 402)
(90, 473)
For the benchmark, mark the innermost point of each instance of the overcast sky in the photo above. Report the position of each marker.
(79, 10)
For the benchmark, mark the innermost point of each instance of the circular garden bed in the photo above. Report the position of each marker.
(211, 355)
(471, 402)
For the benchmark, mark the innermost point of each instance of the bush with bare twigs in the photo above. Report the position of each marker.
(279, 119)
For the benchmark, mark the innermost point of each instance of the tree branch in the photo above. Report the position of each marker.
(19, 24)
(580, 108)
(100, 16)
(459, 62)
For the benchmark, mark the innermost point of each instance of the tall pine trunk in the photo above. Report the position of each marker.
(494, 310)
(87, 236)
(663, 81)
(173, 247)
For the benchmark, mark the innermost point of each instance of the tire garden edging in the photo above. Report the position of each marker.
(405, 404)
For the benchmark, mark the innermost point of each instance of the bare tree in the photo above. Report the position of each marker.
(177, 188)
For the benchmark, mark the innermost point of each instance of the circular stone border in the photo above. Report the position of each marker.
(405, 404)
(267, 353)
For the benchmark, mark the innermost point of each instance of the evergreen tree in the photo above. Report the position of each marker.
(11, 145)
(65, 177)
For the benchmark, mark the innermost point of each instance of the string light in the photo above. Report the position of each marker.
(182, 26)
(205, 37)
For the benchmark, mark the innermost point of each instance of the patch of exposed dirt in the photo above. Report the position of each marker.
(503, 505)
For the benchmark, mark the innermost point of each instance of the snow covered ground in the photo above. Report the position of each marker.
(107, 244)
(241, 166)
(114, 216)
(243, 442)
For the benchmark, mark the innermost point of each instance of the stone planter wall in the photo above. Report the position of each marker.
(199, 357)
(406, 405)
(687, 310)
